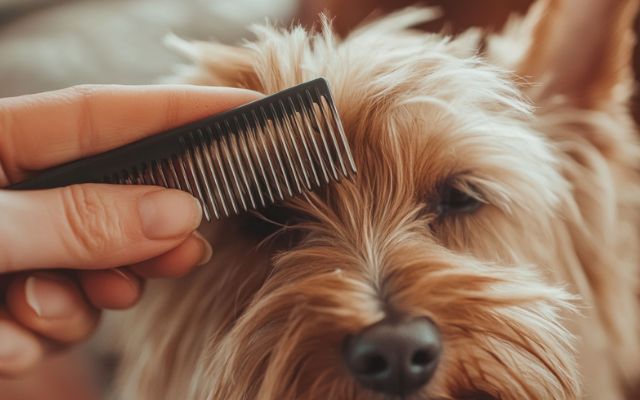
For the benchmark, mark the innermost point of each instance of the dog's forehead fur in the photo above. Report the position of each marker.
(425, 100)
(421, 105)
(420, 111)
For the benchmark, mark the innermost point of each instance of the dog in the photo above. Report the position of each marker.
(486, 249)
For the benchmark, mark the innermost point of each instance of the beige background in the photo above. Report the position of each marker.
(49, 44)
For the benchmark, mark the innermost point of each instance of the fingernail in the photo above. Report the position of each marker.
(48, 297)
(208, 251)
(169, 213)
(11, 346)
(125, 277)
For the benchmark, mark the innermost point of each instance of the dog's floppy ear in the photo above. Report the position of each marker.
(582, 49)
(214, 64)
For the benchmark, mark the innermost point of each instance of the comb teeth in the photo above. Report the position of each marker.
(266, 151)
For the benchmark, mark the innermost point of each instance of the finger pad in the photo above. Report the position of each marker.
(111, 289)
(175, 263)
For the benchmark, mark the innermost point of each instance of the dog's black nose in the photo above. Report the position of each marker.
(394, 357)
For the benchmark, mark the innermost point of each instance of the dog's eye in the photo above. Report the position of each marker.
(454, 201)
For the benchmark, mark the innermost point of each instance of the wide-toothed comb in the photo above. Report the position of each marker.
(245, 158)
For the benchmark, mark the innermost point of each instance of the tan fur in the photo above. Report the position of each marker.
(535, 293)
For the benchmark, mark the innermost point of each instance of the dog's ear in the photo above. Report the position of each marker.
(213, 64)
(582, 49)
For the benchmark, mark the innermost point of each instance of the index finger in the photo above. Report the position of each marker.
(42, 130)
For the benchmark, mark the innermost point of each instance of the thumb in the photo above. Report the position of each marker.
(92, 226)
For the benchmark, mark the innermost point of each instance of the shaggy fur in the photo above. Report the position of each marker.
(535, 292)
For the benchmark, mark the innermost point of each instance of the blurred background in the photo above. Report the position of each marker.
(51, 44)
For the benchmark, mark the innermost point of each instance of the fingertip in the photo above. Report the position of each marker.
(52, 305)
(229, 91)
(20, 350)
(114, 289)
(168, 214)
(207, 250)
(193, 252)
(213, 98)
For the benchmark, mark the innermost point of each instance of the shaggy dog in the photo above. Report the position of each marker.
(486, 249)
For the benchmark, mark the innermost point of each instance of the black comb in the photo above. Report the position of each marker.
(245, 158)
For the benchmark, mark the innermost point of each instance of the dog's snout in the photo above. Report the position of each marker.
(394, 357)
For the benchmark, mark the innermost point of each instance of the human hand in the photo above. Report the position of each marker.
(67, 253)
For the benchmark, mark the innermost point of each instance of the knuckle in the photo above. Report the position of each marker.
(6, 121)
(81, 328)
(83, 91)
(7, 147)
(94, 223)
(172, 105)
(6, 261)
(8, 256)
(85, 95)
(30, 353)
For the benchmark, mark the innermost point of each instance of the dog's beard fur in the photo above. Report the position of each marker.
(534, 293)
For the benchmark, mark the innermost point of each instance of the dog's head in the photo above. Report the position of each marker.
(437, 272)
